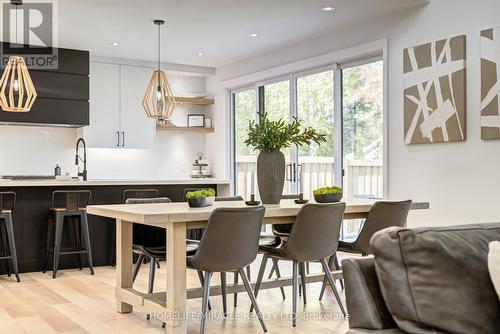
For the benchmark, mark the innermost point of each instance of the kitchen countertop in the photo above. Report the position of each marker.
(60, 183)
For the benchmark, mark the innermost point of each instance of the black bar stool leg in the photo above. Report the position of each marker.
(48, 242)
(59, 222)
(77, 238)
(12, 245)
(5, 252)
(86, 236)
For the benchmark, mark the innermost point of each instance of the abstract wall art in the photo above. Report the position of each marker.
(435, 91)
(490, 83)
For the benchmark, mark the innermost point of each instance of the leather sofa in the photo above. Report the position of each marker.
(426, 280)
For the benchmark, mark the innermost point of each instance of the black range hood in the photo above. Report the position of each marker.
(63, 93)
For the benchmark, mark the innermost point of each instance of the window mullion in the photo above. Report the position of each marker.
(338, 114)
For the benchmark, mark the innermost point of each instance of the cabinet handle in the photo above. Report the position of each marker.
(118, 136)
(123, 138)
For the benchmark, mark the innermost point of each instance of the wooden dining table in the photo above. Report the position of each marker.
(177, 218)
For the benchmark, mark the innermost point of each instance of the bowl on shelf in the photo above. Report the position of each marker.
(328, 194)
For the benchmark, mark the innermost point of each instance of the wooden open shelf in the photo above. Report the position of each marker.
(194, 101)
(184, 129)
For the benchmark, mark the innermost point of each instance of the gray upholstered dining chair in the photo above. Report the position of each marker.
(314, 237)
(234, 229)
(383, 214)
(265, 239)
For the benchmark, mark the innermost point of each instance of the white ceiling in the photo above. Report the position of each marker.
(219, 28)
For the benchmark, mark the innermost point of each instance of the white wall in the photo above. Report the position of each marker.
(460, 180)
(36, 150)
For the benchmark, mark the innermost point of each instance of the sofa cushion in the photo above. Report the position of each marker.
(494, 264)
(437, 279)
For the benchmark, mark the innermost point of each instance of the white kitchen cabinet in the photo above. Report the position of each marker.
(138, 130)
(103, 131)
(117, 119)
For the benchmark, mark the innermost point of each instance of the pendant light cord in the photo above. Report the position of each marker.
(159, 54)
(16, 29)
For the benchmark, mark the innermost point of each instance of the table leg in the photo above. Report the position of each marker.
(176, 277)
(123, 260)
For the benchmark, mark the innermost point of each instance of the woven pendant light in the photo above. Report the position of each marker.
(17, 92)
(159, 102)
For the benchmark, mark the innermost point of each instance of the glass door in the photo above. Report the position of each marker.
(363, 130)
(245, 110)
(315, 108)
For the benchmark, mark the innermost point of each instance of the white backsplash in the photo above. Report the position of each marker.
(36, 150)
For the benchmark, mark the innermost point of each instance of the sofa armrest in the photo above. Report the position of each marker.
(365, 304)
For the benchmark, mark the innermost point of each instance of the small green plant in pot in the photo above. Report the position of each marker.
(328, 194)
(201, 198)
(270, 137)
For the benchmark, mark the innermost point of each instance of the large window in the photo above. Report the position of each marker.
(353, 153)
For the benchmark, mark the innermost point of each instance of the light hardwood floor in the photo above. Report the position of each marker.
(77, 302)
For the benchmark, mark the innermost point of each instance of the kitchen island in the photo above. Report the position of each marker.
(31, 212)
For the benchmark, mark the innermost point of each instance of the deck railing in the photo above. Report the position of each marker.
(362, 177)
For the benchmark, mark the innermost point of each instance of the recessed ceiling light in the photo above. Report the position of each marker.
(200, 54)
(254, 34)
(115, 44)
(328, 9)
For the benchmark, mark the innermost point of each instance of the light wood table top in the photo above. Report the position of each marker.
(164, 213)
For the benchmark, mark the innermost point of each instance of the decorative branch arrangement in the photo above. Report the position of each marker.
(268, 135)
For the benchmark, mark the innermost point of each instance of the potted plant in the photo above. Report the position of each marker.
(328, 194)
(270, 137)
(200, 198)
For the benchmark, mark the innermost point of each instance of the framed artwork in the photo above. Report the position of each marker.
(435, 91)
(196, 120)
(490, 83)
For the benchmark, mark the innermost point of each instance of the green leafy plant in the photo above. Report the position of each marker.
(327, 190)
(268, 135)
(200, 193)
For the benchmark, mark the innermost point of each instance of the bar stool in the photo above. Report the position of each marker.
(68, 206)
(7, 203)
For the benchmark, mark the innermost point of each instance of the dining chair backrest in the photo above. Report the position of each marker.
(285, 228)
(148, 200)
(139, 193)
(383, 214)
(231, 239)
(316, 231)
(71, 200)
(144, 235)
(7, 201)
(228, 199)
